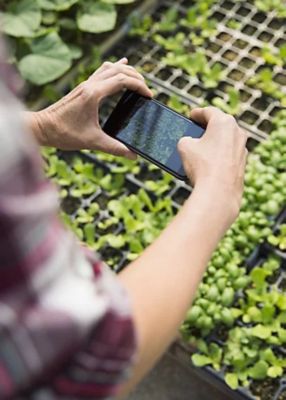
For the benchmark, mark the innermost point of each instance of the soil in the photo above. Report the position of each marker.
(280, 42)
(262, 103)
(164, 74)
(282, 395)
(241, 44)
(218, 16)
(282, 285)
(281, 79)
(111, 256)
(196, 91)
(266, 389)
(244, 96)
(102, 200)
(181, 195)
(259, 17)
(255, 52)
(249, 30)
(251, 144)
(276, 24)
(158, 55)
(180, 82)
(275, 111)
(230, 55)
(148, 66)
(163, 97)
(266, 126)
(249, 117)
(246, 63)
(228, 5)
(265, 37)
(70, 205)
(243, 11)
(225, 37)
(145, 174)
(236, 75)
(214, 47)
(224, 87)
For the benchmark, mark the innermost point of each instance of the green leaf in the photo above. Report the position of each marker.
(49, 60)
(75, 51)
(259, 370)
(57, 5)
(200, 360)
(89, 231)
(275, 371)
(116, 241)
(281, 302)
(232, 380)
(262, 332)
(21, 19)
(96, 17)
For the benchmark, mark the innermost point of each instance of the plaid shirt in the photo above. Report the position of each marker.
(65, 325)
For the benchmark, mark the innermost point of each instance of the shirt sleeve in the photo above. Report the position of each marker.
(65, 322)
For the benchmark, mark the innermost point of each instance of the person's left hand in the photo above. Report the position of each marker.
(73, 122)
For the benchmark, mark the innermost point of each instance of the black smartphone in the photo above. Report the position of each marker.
(152, 130)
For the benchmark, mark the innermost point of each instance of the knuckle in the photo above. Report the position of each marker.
(107, 64)
(121, 77)
(85, 91)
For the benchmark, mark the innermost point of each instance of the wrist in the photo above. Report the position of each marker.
(218, 199)
(36, 124)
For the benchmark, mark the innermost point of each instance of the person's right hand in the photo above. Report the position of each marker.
(218, 159)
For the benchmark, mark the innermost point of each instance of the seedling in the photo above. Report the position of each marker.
(233, 104)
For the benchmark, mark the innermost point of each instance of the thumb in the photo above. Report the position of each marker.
(112, 146)
(185, 146)
(186, 150)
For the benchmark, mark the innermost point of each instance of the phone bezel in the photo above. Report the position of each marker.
(109, 128)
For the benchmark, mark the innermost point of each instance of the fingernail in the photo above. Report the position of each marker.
(124, 59)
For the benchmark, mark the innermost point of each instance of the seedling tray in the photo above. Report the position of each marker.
(268, 389)
(237, 50)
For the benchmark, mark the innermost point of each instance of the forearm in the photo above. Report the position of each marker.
(163, 281)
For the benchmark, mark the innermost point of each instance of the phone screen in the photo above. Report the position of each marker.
(152, 129)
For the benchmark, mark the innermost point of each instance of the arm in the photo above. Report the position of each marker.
(163, 281)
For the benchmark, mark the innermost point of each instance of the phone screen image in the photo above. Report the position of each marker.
(152, 129)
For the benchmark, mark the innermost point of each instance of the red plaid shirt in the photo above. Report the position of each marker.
(65, 323)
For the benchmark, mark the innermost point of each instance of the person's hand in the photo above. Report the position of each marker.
(218, 159)
(73, 122)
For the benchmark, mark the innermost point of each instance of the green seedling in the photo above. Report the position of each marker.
(232, 105)
(279, 239)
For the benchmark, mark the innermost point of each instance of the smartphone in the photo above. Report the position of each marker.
(152, 130)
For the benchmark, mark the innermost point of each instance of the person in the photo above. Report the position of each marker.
(70, 329)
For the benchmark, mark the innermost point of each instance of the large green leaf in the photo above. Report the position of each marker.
(57, 5)
(49, 60)
(21, 19)
(96, 17)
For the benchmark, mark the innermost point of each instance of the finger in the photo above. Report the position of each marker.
(121, 69)
(120, 82)
(244, 136)
(108, 65)
(123, 60)
(114, 147)
(204, 115)
(105, 66)
(184, 145)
